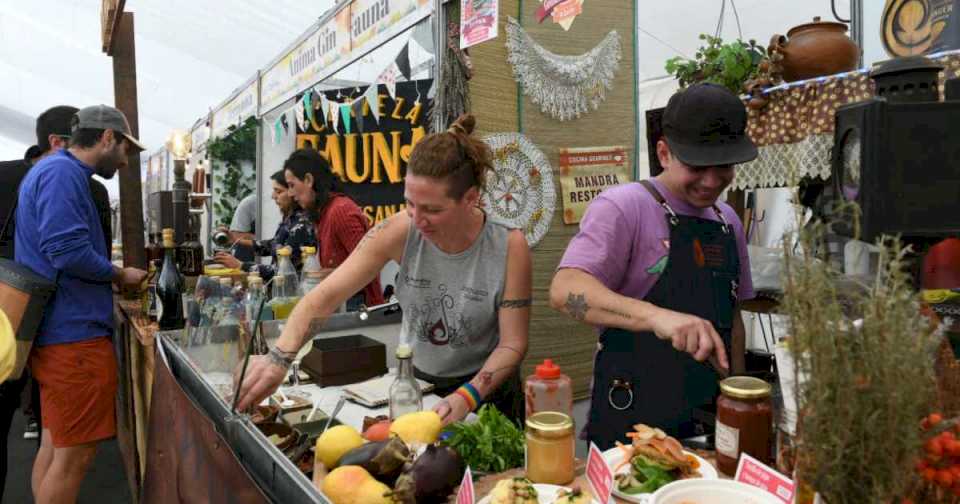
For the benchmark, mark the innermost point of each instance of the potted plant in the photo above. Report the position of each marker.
(730, 65)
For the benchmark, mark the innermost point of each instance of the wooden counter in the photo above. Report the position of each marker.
(134, 344)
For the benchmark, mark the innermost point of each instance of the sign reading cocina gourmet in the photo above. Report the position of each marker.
(585, 173)
(370, 156)
(236, 110)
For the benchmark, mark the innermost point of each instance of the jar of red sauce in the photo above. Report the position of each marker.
(744, 422)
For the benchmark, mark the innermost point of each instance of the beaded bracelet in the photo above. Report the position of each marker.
(470, 394)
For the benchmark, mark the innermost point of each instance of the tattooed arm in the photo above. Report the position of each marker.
(583, 297)
(514, 321)
(381, 244)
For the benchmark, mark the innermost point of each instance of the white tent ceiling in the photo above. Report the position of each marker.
(192, 54)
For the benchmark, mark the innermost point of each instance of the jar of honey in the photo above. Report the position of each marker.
(550, 448)
(744, 422)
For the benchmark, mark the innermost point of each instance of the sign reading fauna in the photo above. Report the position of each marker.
(367, 147)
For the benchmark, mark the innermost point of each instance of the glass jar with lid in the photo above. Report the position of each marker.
(550, 448)
(744, 422)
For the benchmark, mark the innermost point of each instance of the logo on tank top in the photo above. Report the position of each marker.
(439, 320)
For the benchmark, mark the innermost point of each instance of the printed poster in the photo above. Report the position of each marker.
(562, 12)
(585, 172)
(478, 21)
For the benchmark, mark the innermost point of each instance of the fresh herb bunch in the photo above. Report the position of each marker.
(729, 65)
(865, 384)
(492, 444)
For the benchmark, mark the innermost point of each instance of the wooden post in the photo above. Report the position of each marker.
(131, 192)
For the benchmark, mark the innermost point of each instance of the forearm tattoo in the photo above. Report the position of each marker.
(373, 232)
(617, 313)
(516, 303)
(577, 306)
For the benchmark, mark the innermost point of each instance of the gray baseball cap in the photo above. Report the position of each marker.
(104, 117)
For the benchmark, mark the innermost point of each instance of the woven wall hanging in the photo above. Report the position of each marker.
(564, 86)
(519, 191)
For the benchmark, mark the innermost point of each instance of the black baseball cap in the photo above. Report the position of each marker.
(705, 125)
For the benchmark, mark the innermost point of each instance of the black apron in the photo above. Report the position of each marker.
(639, 378)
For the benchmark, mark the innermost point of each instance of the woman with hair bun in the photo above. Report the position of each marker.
(464, 284)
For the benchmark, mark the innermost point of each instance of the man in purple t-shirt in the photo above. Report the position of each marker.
(660, 266)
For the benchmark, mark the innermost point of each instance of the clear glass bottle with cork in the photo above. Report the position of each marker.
(548, 390)
(405, 395)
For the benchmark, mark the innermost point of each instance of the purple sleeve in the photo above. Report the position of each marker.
(602, 247)
(745, 290)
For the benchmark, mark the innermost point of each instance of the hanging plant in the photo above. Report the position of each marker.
(730, 65)
(228, 155)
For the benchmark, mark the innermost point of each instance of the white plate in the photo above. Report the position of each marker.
(614, 456)
(546, 494)
(711, 492)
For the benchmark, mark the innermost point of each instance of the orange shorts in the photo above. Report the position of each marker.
(78, 389)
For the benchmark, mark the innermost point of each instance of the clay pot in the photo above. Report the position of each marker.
(815, 49)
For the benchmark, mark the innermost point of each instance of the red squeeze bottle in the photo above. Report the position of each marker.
(548, 390)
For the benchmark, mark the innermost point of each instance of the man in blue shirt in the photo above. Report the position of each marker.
(59, 236)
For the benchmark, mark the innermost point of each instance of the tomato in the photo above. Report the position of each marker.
(379, 431)
(934, 447)
(935, 418)
(929, 474)
(921, 465)
(945, 478)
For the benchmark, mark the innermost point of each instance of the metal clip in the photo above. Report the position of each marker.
(624, 385)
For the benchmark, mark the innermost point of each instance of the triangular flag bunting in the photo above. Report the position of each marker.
(358, 112)
(403, 61)
(298, 111)
(373, 99)
(345, 117)
(308, 104)
(325, 108)
(277, 131)
(335, 115)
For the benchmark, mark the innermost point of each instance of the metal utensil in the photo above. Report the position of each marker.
(333, 415)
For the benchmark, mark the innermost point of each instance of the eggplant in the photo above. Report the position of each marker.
(384, 460)
(431, 478)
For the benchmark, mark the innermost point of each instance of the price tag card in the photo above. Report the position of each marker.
(755, 473)
(599, 475)
(465, 494)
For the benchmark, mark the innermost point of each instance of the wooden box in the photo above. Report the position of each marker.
(345, 359)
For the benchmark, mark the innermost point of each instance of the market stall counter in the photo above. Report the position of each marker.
(198, 447)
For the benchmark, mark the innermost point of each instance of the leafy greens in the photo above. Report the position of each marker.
(493, 443)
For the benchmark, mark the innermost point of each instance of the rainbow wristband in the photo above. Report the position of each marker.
(470, 394)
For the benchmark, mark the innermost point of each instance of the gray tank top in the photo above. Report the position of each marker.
(450, 301)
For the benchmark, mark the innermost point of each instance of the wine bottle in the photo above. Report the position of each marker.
(169, 288)
(190, 255)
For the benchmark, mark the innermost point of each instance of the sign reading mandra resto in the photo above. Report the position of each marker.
(585, 173)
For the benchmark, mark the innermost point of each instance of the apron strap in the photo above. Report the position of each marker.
(673, 215)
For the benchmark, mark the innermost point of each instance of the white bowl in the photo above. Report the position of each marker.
(701, 491)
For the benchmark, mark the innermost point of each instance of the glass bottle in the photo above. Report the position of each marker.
(169, 288)
(155, 249)
(149, 295)
(744, 422)
(190, 255)
(286, 286)
(310, 276)
(405, 396)
(226, 312)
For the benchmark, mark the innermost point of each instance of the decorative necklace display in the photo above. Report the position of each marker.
(564, 86)
(520, 192)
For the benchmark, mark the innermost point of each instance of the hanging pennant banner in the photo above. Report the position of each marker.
(372, 163)
(585, 173)
(478, 21)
